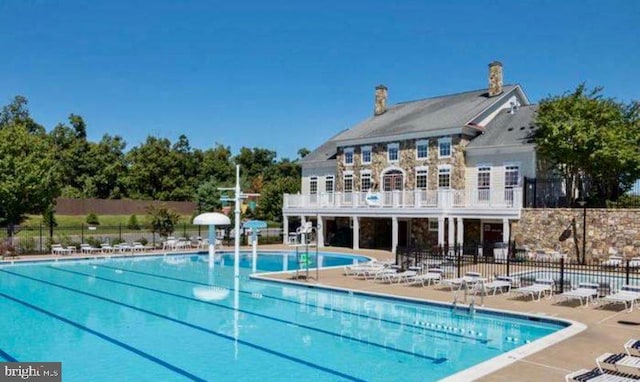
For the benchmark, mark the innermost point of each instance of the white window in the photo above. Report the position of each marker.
(366, 154)
(313, 185)
(444, 177)
(348, 182)
(365, 181)
(348, 156)
(433, 225)
(511, 176)
(422, 178)
(328, 184)
(444, 147)
(422, 149)
(393, 152)
(484, 182)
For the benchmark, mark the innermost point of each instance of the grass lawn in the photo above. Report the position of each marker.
(105, 220)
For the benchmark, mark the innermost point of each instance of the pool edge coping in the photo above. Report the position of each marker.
(477, 371)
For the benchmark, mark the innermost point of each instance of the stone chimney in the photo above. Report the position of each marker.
(495, 78)
(380, 106)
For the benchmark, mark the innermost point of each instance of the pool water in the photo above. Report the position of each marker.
(148, 319)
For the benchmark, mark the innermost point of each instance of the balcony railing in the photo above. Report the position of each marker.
(443, 199)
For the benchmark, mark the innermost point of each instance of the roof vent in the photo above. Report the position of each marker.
(522, 128)
(510, 129)
(514, 105)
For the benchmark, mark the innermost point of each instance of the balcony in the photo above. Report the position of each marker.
(505, 198)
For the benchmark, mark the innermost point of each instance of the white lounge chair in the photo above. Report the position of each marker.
(107, 248)
(87, 248)
(58, 249)
(585, 291)
(469, 278)
(539, 288)
(632, 346)
(613, 261)
(627, 295)
(618, 360)
(634, 262)
(501, 283)
(597, 375)
(399, 277)
(432, 276)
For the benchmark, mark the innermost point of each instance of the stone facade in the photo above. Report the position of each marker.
(421, 236)
(407, 163)
(606, 228)
(495, 78)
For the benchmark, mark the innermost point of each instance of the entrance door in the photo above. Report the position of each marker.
(492, 232)
(403, 233)
(392, 180)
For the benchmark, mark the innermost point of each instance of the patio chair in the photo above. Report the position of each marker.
(613, 261)
(634, 262)
(87, 248)
(597, 375)
(432, 276)
(632, 346)
(107, 248)
(58, 249)
(399, 277)
(139, 247)
(501, 283)
(619, 360)
(539, 288)
(585, 291)
(627, 295)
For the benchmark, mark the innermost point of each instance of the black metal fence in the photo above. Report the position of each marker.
(38, 239)
(500, 259)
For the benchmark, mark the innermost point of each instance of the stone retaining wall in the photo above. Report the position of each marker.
(606, 228)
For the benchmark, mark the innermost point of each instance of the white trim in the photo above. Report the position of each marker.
(349, 150)
(416, 170)
(394, 145)
(422, 142)
(390, 168)
(400, 137)
(445, 140)
(333, 183)
(444, 167)
(362, 150)
(365, 171)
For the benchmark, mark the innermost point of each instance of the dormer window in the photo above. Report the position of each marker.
(444, 147)
(366, 154)
(393, 152)
(348, 156)
(422, 149)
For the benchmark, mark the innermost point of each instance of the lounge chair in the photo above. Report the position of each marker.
(634, 262)
(107, 248)
(632, 346)
(585, 291)
(597, 375)
(627, 295)
(87, 248)
(539, 288)
(58, 249)
(618, 360)
(432, 276)
(501, 283)
(469, 278)
(399, 276)
(613, 261)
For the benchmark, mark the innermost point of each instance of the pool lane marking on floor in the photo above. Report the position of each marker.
(106, 338)
(360, 315)
(224, 336)
(7, 356)
(279, 320)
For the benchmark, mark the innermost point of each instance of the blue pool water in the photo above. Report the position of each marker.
(173, 319)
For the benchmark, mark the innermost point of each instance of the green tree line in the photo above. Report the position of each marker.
(37, 166)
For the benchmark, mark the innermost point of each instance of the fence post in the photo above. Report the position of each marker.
(184, 230)
(153, 239)
(562, 275)
(508, 263)
(627, 272)
(458, 261)
(120, 232)
(82, 232)
(41, 247)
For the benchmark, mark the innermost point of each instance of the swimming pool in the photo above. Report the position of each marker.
(141, 319)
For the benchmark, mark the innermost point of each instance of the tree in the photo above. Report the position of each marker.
(17, 113)
(270, 202)
(303, 152)
(162, 220)
(208, 197)
(106, 169)
(29, 176)
(592, 142)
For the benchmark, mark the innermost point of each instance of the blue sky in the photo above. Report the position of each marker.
(289, 74)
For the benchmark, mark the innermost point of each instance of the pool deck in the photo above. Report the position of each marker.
(604, 331)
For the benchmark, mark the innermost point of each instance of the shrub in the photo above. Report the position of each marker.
(162, 220)
(143, 241)
(92, 219)
(27, 244)
(133, 223)
(93, 241)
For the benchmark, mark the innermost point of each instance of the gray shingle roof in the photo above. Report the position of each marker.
(325, 152)
(508, 129)
(450, 111)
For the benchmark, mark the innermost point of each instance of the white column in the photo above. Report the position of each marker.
(451, 236)
(460, 231)
(394, 234)
(505, 230)
(440, 230)
(285, 229)
(356, 232)
(303, 236)
(320, 232)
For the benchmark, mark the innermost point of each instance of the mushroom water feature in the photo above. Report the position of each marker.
(254, 226)
(212, 219)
